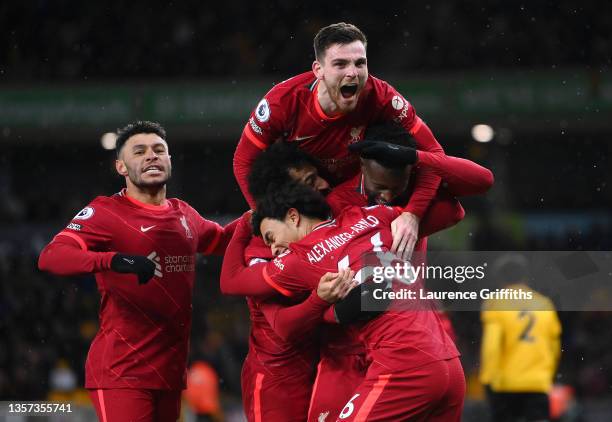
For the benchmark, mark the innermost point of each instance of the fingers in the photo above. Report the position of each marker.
(328, 277)
(396, 236)
(404, 230)
(335, 286)
(404, 251)
(347, 283)
(359, 146)
(409, 248)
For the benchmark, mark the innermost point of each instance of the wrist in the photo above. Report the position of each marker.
(412, 215)
(106, 259)
(317, 301)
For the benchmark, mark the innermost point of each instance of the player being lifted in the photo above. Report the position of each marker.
(327, 109)
(141, 247)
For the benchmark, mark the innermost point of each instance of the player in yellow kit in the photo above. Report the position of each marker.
(520, 348)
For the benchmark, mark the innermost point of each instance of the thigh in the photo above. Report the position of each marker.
(336, 381)
(504, 406)
(123, 405)
(535, 407)
(450, 407)
(268, 397)
(399, 396)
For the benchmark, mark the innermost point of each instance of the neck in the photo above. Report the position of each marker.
(310, 224)
(327, 105)
(153, 195)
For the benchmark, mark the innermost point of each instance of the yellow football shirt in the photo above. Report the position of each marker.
(521, 343)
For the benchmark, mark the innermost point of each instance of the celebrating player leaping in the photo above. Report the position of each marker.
(327, 109)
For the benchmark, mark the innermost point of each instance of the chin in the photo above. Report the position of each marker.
(346, 107)
(152, 183)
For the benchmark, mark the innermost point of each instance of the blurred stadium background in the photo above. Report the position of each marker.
(537, 74)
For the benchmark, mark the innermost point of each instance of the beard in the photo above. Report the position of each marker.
(137, 180)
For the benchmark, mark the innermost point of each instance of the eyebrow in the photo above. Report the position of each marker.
(342, 60)
(158, 144)
(267, 237)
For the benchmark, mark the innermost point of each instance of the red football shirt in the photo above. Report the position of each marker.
(266, 347)
(290, 111)
(143, 340)
(398, 339)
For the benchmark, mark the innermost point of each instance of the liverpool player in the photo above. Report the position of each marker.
(327, 109)
(413, 367)
(141, 247)
(387, 161)
(339, 355)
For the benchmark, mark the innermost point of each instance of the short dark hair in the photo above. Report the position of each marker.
(291, 194)
(272, 166)
(337, 33)
(511, 268)
(134, 128)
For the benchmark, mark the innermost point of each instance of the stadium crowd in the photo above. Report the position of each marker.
(445, 37)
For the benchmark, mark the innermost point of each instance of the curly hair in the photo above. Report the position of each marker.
(291, 194)
(134, 128)
(271, 168)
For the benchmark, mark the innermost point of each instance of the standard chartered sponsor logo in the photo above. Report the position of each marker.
(155, 258)
(179, 263)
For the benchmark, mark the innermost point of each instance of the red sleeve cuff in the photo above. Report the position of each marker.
(330, 316)
(317, 302)
(415, 209)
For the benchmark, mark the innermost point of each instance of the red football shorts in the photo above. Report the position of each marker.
(337, 379)
(432, 392)
(132, 405)
(275, 397)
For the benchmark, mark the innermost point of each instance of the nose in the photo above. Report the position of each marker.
(277, 249)
(321, 185)
(150, 154)
(351, 71)
(385, 196)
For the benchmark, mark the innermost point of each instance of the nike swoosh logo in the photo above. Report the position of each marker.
(129, 261)
(302, 138)
(145, 229)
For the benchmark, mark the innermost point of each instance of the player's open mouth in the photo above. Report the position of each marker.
(152, 169)
(348, 90)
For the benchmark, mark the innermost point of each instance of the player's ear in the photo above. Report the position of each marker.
(317, 69)
(293, 217)
(121, 167)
